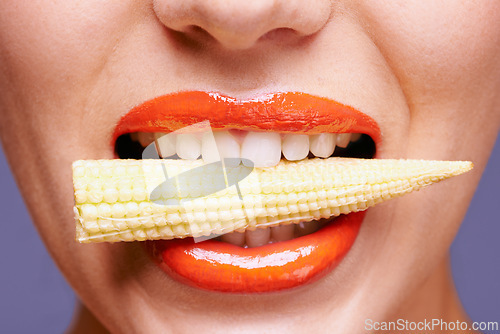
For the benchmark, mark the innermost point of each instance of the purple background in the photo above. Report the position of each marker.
(36, 299)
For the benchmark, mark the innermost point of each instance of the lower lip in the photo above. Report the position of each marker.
(218, 266)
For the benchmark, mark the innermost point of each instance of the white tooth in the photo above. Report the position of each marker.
(263, 149)
(188, 146)
(322, 145)
(228, 145)
(235, 238)
(343, 139)
(258, 237)
(166, 144)
(145, 138)
(302, 229)
(209, 151)
(355, 136)
(219, 146)
(295, 147)
(283, 232)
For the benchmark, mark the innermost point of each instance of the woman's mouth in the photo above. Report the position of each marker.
(284, 126)
(272, 186)
(262, 149)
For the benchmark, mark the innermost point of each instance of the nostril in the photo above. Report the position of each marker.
(279, 34)
(197, 33)
(195, 29)
(240, 25)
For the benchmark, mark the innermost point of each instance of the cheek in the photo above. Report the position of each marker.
(437, 46)
(53, 51)
(445, 56)
(51, 55)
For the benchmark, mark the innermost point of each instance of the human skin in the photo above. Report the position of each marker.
(428, 72)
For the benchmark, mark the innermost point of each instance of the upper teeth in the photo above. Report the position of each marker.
(295, 147)
(219, 145)
(166, 144)
(188, 146)
(262, 149)
(343, 139)
(322, 145)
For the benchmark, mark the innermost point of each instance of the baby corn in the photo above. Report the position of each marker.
(126, 200)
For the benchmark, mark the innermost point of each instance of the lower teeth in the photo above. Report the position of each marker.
(269, 235)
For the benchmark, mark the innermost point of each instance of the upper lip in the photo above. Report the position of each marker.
(288, 112)
(292, 112)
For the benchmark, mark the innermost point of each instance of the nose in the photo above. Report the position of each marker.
(239, 24)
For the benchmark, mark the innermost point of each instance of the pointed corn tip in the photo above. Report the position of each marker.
(455, 168)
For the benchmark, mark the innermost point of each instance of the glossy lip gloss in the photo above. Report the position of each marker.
(281, 112)
(218, 266)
